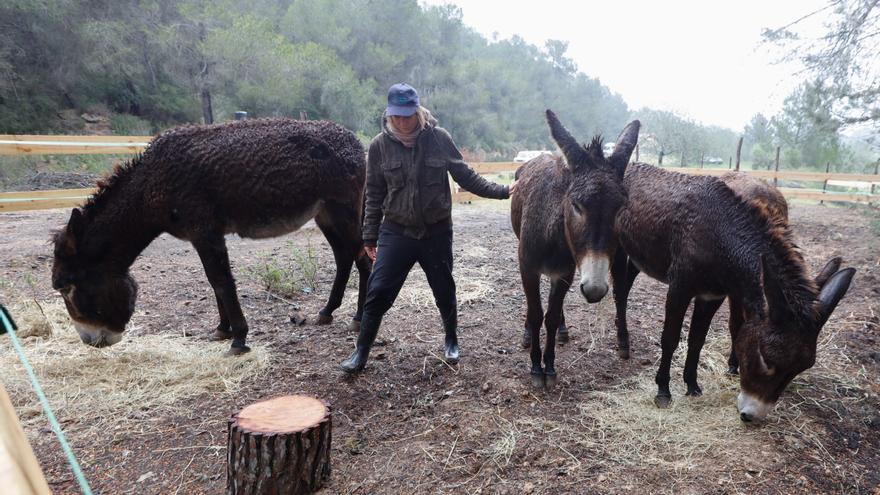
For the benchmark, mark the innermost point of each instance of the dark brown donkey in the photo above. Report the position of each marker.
(558, 214)
(707, 243)
(751, 190)
(255, 178)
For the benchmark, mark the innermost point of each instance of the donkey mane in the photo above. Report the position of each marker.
(594, 149)
(107, 184)
(785, 259)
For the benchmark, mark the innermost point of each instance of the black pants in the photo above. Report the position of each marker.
(395, 257)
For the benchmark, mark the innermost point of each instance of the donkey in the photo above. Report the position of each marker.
(696, 235)
(751, 190)
(255, 178)
(557, 214)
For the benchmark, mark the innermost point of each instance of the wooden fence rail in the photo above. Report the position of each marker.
(92, 145)
(71, 145)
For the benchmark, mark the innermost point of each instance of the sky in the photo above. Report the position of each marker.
(703, 59)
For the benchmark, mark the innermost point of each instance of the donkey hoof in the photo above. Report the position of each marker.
(323, 319)
(694, 391)
(238, 351)
(733, 370)
(623, 352)
(562, 336)
(537, 380)
(550, 380)
(526, 339)
(662, 401)
(219, 335)
(354, 326)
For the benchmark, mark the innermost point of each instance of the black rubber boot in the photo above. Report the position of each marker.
(450, 347)
(358, 358)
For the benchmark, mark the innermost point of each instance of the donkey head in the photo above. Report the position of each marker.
(592, 202)
(775, 347)
(99, 298)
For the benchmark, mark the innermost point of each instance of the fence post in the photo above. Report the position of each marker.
(825, 184)
(776, 174)
(739, 146)
(729, 162)
(876, 172)
(702, 157)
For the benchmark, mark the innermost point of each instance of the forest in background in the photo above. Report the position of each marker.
(152, 64)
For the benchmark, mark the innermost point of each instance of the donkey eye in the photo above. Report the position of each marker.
(577, 208)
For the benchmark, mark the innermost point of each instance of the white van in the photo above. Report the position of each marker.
(524, 156)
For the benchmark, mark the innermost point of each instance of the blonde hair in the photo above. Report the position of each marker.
(422, 113)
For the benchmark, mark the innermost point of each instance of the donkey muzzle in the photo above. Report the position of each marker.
(752, 408)
(96, 336)
(594, 276)
(594, 293)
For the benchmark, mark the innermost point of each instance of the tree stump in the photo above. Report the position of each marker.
(279, 446)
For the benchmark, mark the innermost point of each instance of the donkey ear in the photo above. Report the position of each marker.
(575, 155)
(777, 305)
(831, 294)
(830, 269)
(75, 228)
(625, 145)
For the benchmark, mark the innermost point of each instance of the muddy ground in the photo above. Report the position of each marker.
(412, 424)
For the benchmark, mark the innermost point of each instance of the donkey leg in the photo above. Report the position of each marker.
(735, 322)
(676, 307)
(534, 316)
(338, 223)
(558, 289)
(223, 330)
(704, 311)
(623, 273)
(562, 335)
(215, 259)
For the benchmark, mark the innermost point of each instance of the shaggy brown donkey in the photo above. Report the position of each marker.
(751, 190)
(255, 178)
(558, 213)
(698, 236)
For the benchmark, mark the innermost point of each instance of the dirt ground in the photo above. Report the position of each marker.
(412, 424)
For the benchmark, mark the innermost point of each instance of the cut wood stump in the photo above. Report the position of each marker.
(279, 446)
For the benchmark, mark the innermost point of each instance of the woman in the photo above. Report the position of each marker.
(407, 185)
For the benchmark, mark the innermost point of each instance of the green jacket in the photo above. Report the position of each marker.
(409, 186)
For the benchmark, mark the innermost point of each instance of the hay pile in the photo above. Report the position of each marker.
(471, 284)
(621, 428)
(124, 387)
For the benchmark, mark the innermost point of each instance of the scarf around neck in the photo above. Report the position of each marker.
(407, 139)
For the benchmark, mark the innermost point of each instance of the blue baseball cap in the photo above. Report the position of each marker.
(402, 100)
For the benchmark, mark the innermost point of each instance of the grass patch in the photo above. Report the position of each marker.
(299, 275)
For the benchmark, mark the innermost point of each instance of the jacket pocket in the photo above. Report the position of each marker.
(439, 200)
(435, 172)
(393, 172)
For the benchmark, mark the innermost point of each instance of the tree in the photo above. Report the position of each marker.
(807, 129)
(665, 133)
(844, 60)
(758, 141)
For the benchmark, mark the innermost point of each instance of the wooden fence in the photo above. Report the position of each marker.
(91, 145)
(20, 472)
